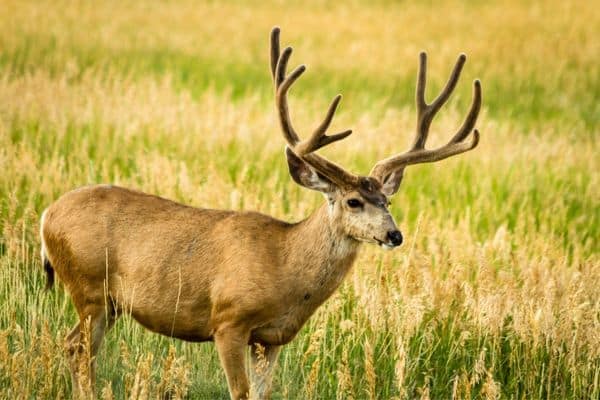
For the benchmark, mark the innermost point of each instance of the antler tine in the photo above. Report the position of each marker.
(274, 50)
(426, 112)
(417, 154)
(421, 82)
(471, 118)
(281, 97)
(450, 85)
(319, 138)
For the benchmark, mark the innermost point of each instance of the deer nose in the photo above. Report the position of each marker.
(395, 237)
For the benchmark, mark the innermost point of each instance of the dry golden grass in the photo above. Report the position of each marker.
(493, 295)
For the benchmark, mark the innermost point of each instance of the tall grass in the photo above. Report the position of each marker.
(494, 293)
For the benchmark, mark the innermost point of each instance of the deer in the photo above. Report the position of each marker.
(240, 279)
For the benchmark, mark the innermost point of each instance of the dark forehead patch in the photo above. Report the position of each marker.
(370, 189)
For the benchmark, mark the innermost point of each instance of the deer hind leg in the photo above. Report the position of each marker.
(82, 345)
(72, 350)
(262, 363)
(231, 345)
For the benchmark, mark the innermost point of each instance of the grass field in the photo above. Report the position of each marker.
(495, 293)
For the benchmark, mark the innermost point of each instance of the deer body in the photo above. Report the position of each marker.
(183, 271)
(235, 278)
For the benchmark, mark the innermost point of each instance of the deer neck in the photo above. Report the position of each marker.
(321, 253)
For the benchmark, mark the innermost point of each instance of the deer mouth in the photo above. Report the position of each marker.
(383, 244)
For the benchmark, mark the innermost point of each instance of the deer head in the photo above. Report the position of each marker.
(359, 204)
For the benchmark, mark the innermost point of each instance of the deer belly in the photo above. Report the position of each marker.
(190, 329)
(279, 331)
(174, 314)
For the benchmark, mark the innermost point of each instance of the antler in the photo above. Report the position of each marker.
(306, 148)
(418, 154)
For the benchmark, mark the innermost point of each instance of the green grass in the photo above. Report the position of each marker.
(493, 295)
(535, 99)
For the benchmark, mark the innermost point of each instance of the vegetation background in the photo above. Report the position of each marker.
(495, 293)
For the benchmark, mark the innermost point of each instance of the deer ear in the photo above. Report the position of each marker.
(391, 183)
(305, 175)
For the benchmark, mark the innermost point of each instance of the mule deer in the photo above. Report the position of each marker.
(236, 278)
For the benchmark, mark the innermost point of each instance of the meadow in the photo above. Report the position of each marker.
(495, 293)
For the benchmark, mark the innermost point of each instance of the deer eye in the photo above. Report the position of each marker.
(354, 203)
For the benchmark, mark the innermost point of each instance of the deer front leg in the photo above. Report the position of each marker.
(262, 363)
(231, 345)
